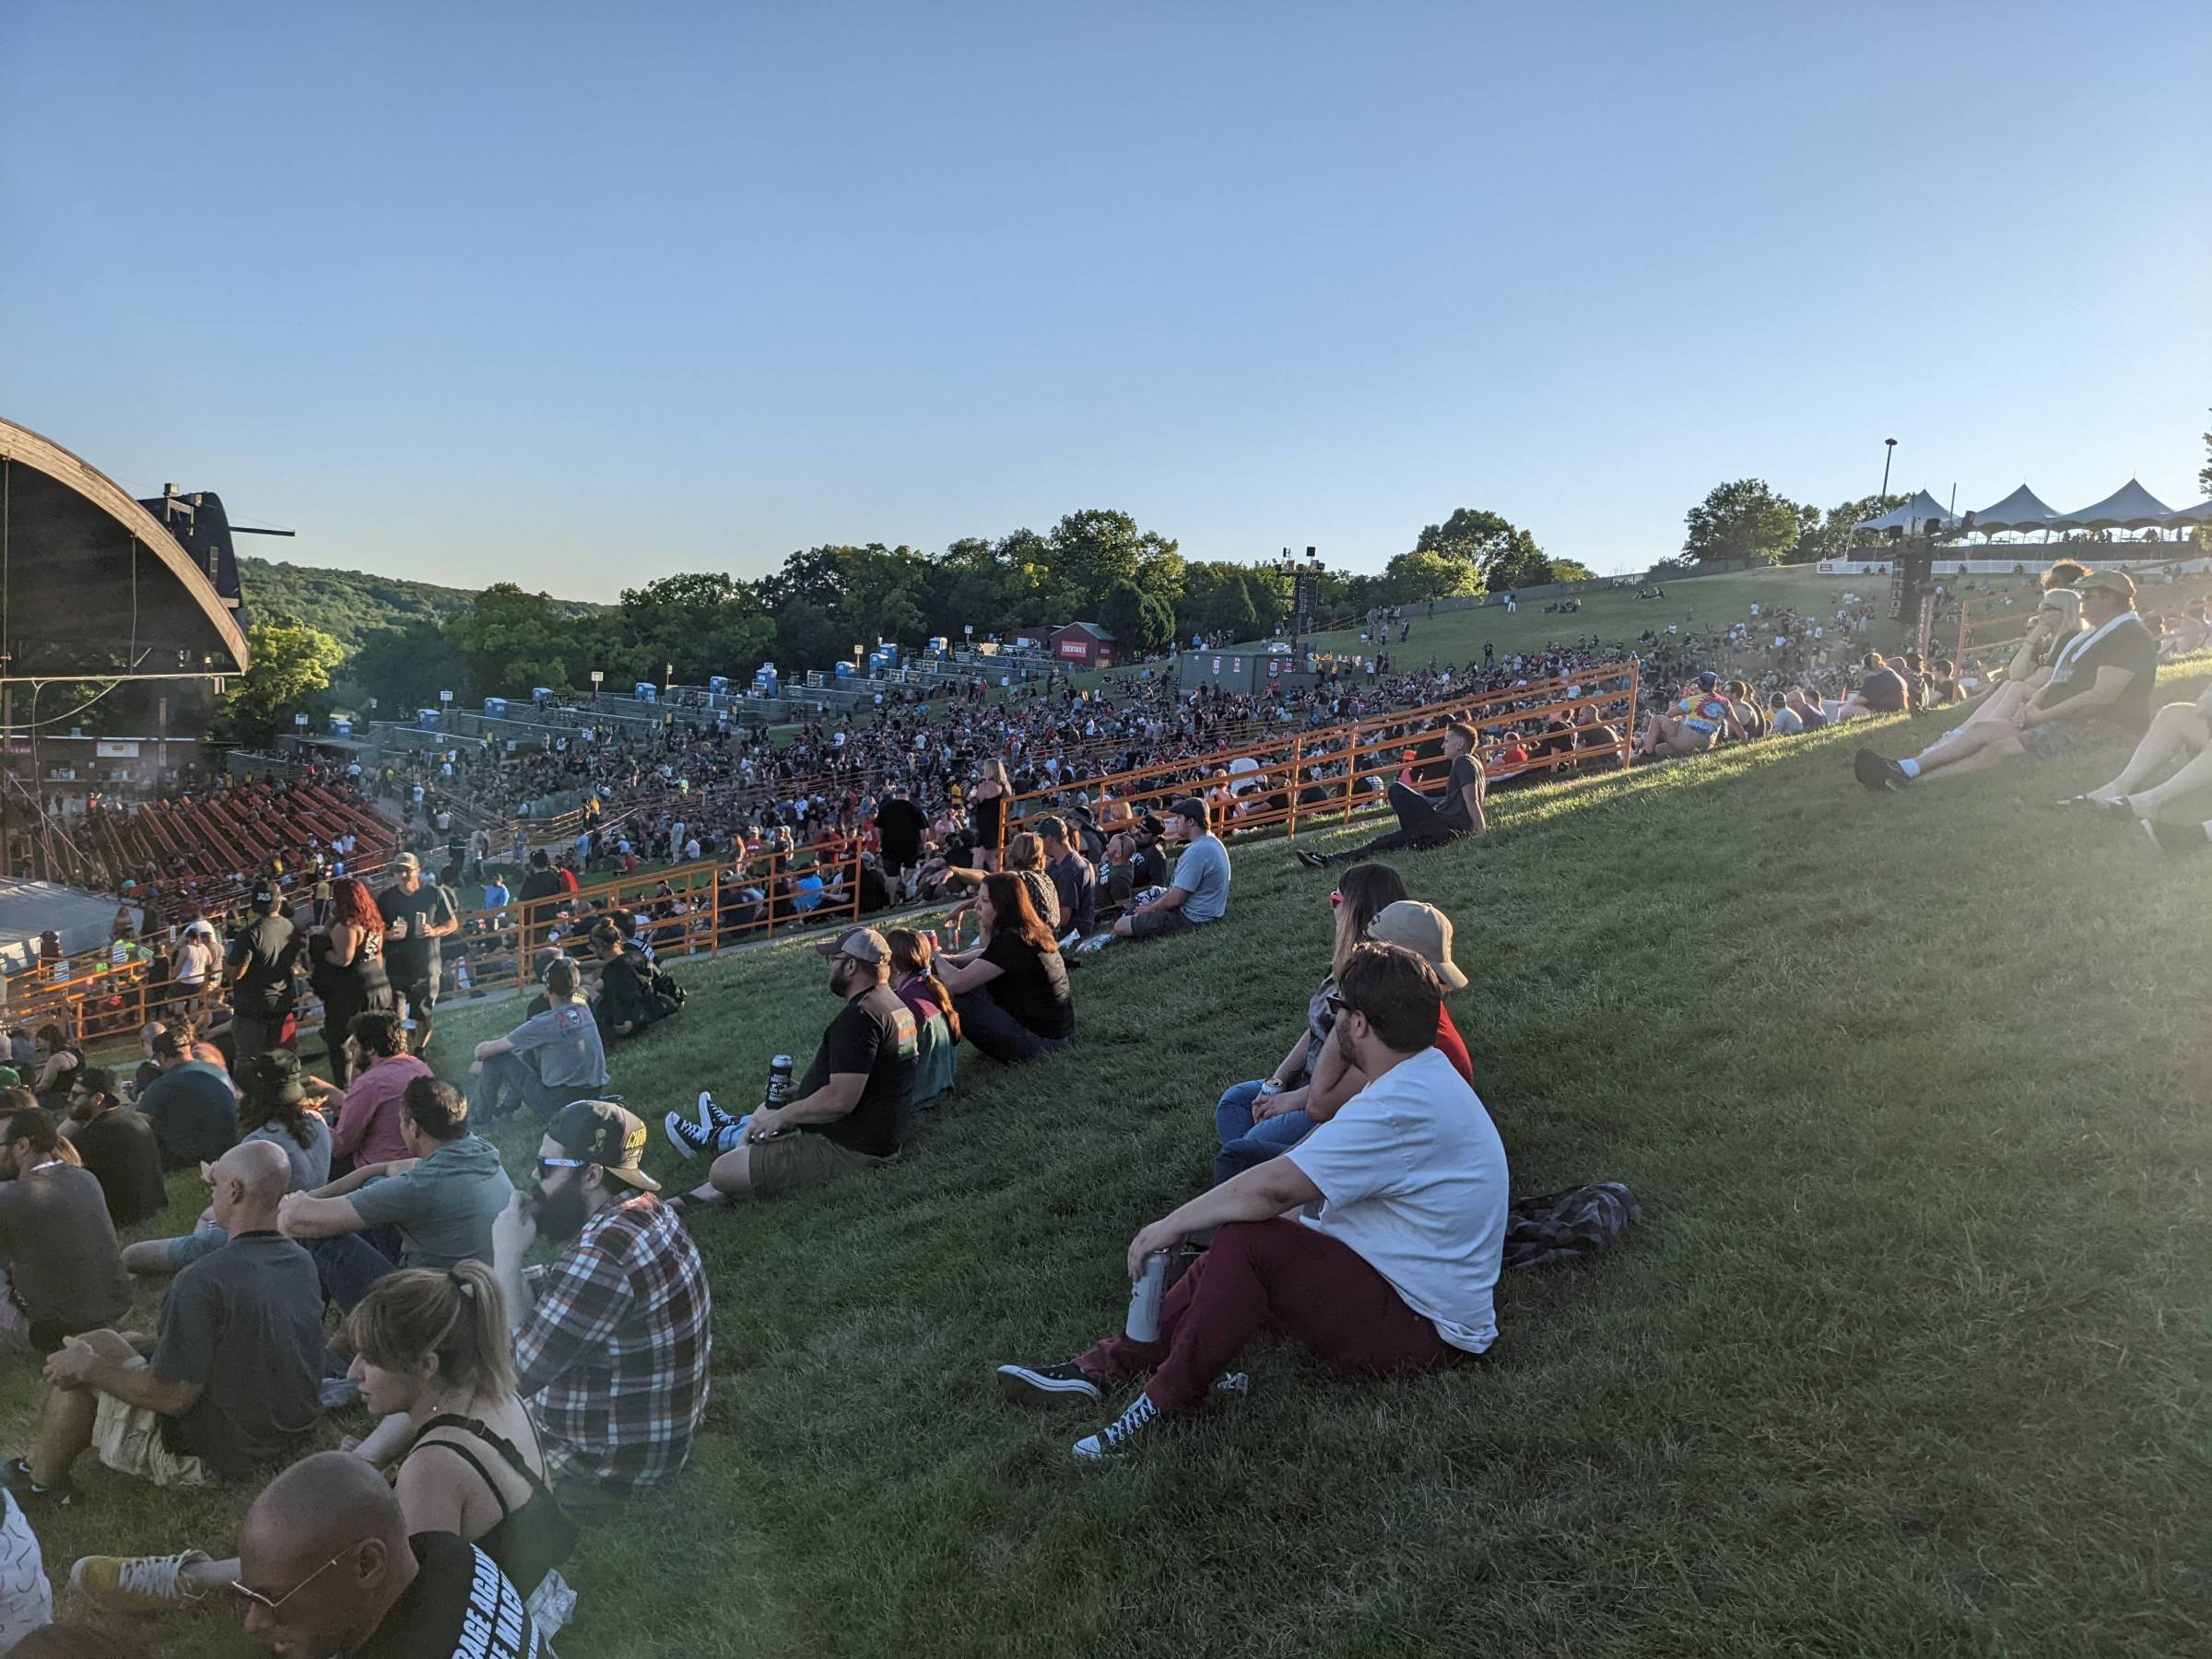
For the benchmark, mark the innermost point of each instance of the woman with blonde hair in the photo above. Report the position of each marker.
(937, 1020)
(987, 809)
(1025, 859)
(1245, 1112)
(435, 1361)
(2057, 621)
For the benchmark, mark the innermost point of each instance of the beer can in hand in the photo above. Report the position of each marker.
(1145, 1294)
(778, 1080)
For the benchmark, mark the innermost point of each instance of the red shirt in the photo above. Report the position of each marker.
(1455, 1049)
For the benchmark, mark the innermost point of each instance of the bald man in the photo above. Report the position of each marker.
(326, 1566)
(232, 1376)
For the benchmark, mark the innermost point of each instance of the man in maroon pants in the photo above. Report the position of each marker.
(1374, 1242)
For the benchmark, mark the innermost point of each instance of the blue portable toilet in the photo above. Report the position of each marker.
(341, 727)
(539, 694)
(426, 719)
(496, 707)
(940, 647)
(764, 679)
(718, 685)
(648, 692)
(877, 663)
(889, 651)
(844, 670)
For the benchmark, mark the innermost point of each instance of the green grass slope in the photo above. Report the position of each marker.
(1909, 1357)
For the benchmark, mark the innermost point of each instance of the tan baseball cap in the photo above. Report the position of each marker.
(863, 944)
(2118, 582)
(1422, 929)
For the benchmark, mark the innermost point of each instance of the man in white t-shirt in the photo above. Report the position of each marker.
(1374, 1242)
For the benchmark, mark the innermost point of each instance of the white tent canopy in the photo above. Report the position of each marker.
(1924, 512)
(2130, 507)
(2022, 510)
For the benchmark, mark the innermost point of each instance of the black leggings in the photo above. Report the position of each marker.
(1420, 825)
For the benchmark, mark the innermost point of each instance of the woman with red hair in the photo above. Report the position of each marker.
(348, 969)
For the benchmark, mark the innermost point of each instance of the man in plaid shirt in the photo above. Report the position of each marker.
(612, 1336)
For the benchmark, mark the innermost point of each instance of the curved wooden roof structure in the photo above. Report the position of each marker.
(91, 585)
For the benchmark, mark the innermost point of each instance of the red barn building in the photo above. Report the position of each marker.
(1083, 645)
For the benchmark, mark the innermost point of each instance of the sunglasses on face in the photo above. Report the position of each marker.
(255, 1598)
(1338, 1004)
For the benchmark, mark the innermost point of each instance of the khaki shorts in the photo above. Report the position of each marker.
(784, 1163)
(128, 1439)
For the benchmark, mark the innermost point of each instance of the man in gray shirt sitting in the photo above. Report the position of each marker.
(57, 1244)
(1198, 890)
(235, 1367)
(548, 1060)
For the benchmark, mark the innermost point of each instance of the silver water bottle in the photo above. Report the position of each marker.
(1146, 1292)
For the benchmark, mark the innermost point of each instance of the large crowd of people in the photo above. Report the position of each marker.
(364, 1247)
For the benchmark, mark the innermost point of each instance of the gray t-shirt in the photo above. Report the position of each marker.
(443, 1207)
(245, 1322)
(1202, 873)
(1453, 808)
(565, 1039)
(58, 1248)
(311, 1164)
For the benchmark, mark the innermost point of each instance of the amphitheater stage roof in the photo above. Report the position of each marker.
(29, 908)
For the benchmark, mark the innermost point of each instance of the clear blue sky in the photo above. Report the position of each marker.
(579, 295)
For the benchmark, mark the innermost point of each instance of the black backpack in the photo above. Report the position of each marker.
(1571, 1224)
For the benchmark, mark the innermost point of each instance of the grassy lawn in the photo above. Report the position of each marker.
(1909, 1356)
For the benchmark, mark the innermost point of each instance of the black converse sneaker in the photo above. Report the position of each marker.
(1113, 1441)
(1045, 1384)
(710, 1116)
(1312, 861)
(687, 1136)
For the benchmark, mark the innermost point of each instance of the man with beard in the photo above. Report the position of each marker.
(612, 1336)
(850, 1111)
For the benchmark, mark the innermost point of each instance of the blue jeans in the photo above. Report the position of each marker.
(1245, 1143)
(996, 1034)
(348, 1264)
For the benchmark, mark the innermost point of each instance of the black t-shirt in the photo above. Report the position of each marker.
(460, 1606)
(263, 953)
(2130, 646)
(1151, 866)
(193, 1111)
(246, 1323)
(121, 1150)
(1453, 808)
(1883, 690)
(873, 1033)
(414, 958)
(1031, 985)
(899, 824)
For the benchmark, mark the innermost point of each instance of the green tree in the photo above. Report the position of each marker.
(1829, 537)
(1141, 623)
(405, 668)
(289, 665)
(512, 640)
(1088, 552)
(1742, 519)
(1430, 573)
(1500, 552)
(702, 623)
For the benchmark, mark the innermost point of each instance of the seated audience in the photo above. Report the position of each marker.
(26, 1599)
(937, 1020)
(377, 1060)
(57, 1245)
(2180, 736)
(441, 1199)
(395, 1594)
(614, 1334)
(1390, 1266)
(1884, 690)
(117, 1145)
(191, 1106)
(1074, 883)
(58, 1060)
(548, 1060)
(1782, 717)
(1117, 877)
(1011, 992)
(434, 1357)
(852, 1108)
(1258, 1119)
(1421, 822)
(1199, 893)
(235, 1366)
(1692, 724)
(628, 1002)
(2099, 688)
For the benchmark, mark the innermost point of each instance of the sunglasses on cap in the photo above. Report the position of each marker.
(545, 1166)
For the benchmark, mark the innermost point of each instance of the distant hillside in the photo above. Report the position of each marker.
(353, 604)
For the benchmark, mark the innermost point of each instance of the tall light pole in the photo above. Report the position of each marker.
(1889, 450)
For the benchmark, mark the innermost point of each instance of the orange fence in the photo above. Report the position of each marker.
(708, 907)
(1330, 773)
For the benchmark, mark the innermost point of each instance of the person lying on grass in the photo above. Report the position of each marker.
(614, 1335)
(235, 1367)
(2179, 732)
(435, 1361)
(853, 1107)
(1422, 822)
(2099, 688)
(1375, 1241)
(1691, 725)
